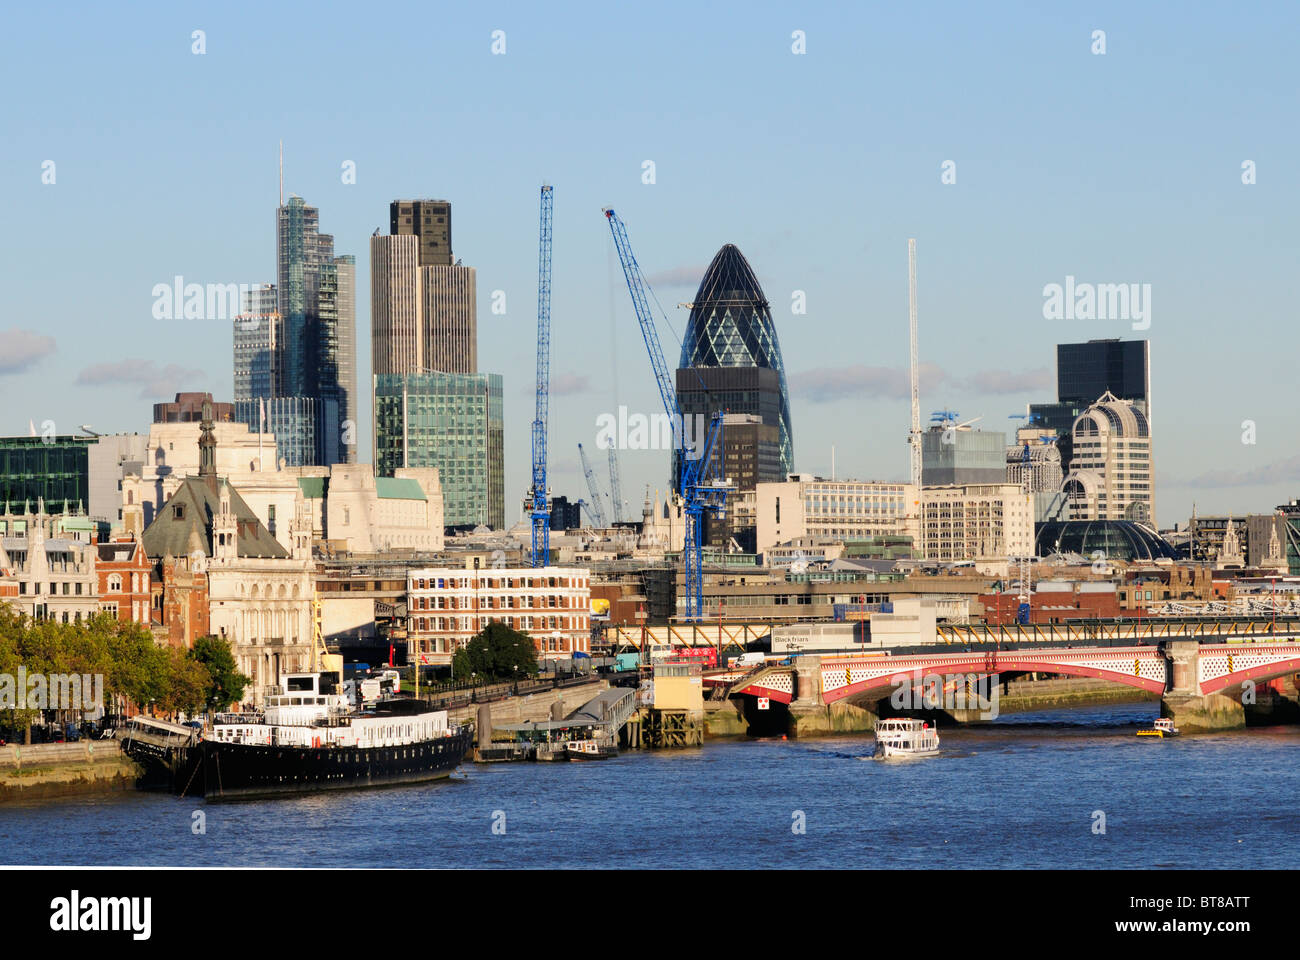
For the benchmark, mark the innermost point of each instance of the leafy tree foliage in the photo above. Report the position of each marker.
(226, 684)
(496, 653)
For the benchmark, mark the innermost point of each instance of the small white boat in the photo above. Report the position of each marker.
(589, 750)
(1164, 727)
(900, 738)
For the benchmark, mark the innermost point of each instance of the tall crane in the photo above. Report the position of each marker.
(615, 486)
(700, 492)
(594, 509)
(539, 495)
(914, 435)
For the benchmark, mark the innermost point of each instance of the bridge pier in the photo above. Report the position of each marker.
(1183, 702)
(811, 717)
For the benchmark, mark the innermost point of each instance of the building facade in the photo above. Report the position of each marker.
(123, 575)
(954, 453)
(447, 607)
(731, 326)
(984, 523)
(451, 422)
(806, 506)
(1111, 472)
(354, 511)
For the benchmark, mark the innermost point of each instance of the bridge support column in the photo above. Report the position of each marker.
(809, 714)
(1183, 702)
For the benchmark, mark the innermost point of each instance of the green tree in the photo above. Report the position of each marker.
(460, 665)
(226, 684)
(499, 653)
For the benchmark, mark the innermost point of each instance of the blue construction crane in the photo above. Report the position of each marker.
(594, 509)
(700, 492)
(539, 495)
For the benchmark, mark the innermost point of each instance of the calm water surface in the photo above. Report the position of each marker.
(1018, 793)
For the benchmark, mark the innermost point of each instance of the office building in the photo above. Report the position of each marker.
(731, 357)
(983, 523)
(1085, 371)
(423, 306)
(447, 607)
(807, 506)
(450, 421)
(1110, 476)
(256, 336)
(953, 453)
(314, 350)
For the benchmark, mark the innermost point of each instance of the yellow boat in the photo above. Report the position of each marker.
(1164, 727)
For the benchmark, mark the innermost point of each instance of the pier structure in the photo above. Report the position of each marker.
(1209, 673)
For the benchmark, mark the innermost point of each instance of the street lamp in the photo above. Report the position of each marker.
(515, 668)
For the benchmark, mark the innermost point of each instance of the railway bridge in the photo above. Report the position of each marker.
(1203, 668)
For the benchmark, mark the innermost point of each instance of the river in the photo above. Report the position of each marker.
(1067, 788)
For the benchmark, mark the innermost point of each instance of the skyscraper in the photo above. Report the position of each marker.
(423, 305)
(731, 358)
(300, 360)
(1085, 371)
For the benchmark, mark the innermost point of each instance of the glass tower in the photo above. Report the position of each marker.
(452, 421)
(731, 326)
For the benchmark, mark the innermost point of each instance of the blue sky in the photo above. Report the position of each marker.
(1117, 168)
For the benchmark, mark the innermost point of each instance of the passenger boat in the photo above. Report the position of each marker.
(1164, 727)
(590, 750)
(308, 738)
(900, 738)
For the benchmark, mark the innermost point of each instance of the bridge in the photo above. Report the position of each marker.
(1194, 664)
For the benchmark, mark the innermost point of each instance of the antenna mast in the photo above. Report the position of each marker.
(282, 173)
(914, 435)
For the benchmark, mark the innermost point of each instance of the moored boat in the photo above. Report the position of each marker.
(309, 738)
(590, 749)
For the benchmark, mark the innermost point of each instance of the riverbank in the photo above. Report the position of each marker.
(54, 770)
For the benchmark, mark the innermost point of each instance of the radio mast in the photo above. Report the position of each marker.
(914, 435)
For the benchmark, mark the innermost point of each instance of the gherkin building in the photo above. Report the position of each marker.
(731, 358)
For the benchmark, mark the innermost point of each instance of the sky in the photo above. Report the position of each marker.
(1123, 166)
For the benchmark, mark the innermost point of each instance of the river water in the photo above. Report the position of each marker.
(1031, 790)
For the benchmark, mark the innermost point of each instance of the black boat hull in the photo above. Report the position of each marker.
(236, 771)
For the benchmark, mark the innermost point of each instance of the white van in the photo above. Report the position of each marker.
(752, 659)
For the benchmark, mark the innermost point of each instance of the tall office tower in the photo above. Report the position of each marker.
(452, 421)
(430, 222)
(257, 330)
(1110, 474)
(731, 358)
(316, 348)
(749, 454)
(422, 304)
(346, 380)
(1085, 371)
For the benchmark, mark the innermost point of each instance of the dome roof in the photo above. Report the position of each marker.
(1115, 539)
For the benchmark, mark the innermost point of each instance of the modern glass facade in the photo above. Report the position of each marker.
(452, 421)
(1084, 371)
(293, 421)
(315, 354)
(731, 326)
(952, 456)
(57, 469)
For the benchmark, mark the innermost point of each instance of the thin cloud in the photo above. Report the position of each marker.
(567, 384)
(1281, 471)
(857, 381)
(153, 381)
(20, 350)
(1004, 381)
(677, 277)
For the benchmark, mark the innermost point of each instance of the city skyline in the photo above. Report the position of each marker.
(1014, 222)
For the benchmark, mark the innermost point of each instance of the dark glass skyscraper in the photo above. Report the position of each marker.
(314, 368)
(731, 326)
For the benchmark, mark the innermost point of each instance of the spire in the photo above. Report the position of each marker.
(208, 448)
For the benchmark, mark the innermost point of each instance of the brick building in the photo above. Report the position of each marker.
(123, 573)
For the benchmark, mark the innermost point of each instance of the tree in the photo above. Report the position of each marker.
(498, 652)
(226, 684)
